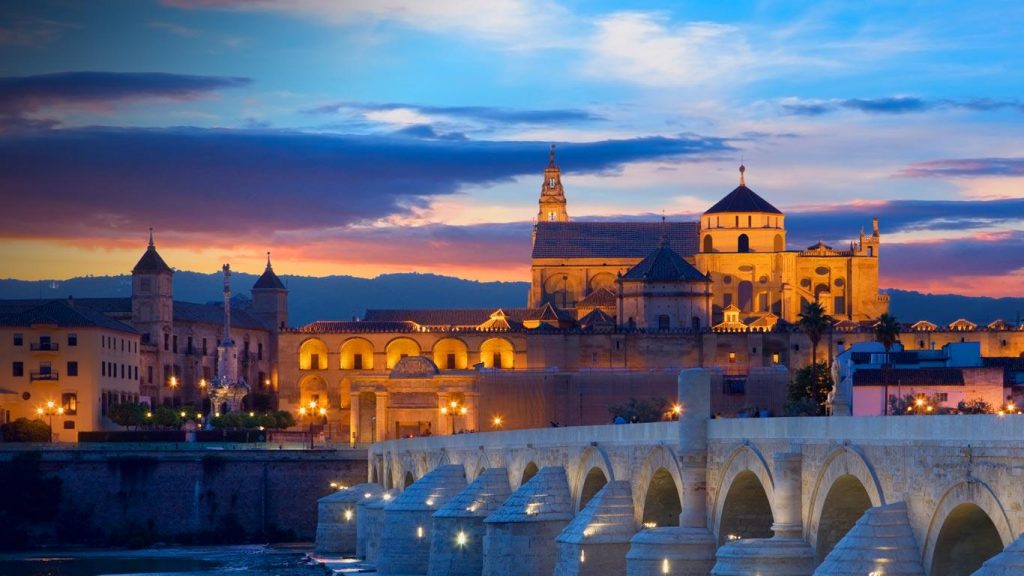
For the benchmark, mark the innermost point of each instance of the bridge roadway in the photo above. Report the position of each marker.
(935, 495)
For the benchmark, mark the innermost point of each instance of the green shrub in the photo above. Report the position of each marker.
(25, 430)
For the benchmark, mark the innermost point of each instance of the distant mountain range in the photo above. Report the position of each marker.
(345, 297)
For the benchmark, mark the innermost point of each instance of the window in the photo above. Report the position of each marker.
(149, 374)
(103, 368)
(450, 362)
(734, 386)
(314, 361)
(122, 371)
(743, 243)
(167, 342)
(69, 424)
(496, 360)
(72, 339)
(259, 350)
(732, 357)
(188, 346)
(357, 361)
(17, 369)
(204, 346)
(174, 346)
(942, 397)
(19, 340)
(45, 368)
(663, 322)
(775, 358)
(69, 401)
(72, 368)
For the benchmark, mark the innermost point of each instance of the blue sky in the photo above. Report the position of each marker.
(367, 136)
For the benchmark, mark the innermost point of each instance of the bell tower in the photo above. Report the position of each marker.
(552, 195)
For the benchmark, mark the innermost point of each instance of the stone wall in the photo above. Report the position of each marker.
(140, 496)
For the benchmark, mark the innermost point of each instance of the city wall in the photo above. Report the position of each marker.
(137, 497)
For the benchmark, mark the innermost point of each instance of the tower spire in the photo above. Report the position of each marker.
(743, 181)
(268, 260)
(150, 236)
(552, 206)
(227, 303)
(551, 157)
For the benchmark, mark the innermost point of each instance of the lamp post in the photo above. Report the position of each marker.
(50, 409)
(173, 383)
(312, 410)
(452, 409)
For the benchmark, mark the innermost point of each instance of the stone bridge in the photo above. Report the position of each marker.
(936, 495)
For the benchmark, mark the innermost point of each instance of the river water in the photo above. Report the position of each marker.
(165, 561)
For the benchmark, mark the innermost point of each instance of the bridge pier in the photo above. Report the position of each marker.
(597, 539)
(337, 518)
(521, 534)
(882, 537)
(784, 554)
(370, 524)
(457, 539)
(405, 541)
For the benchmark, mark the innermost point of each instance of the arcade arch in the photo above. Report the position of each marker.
(451, 354)
(400, 348)
(497, 353)
(313, 355)
(356, 354)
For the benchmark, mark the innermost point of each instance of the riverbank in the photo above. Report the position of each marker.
(289, 560)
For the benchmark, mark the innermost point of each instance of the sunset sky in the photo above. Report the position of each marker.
(370, 136)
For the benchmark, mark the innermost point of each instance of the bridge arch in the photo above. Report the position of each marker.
(846, 486)
(746, 472)
(529, 471)
(593, 459)
(969, 526)
(658, 483)
(408, 479)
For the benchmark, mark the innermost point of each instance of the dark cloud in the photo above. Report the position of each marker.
(987, 255)
(892, 105)
(479, 113)
(83, 182)
(842, 223)
(965, 167)
(21, 96)
(427, 131)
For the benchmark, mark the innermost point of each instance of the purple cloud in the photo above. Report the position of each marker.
(892, 105)
(79, 182)
(965, 167)
(21, 96)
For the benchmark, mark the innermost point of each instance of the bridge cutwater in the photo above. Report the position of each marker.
(864, 496)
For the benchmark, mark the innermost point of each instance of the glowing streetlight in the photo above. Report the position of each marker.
(49, 410)
(497, 422)
(452, 409)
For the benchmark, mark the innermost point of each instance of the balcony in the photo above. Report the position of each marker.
(44, 376)
(44, 346)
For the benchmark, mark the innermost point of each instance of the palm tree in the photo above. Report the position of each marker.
(887, 331)
(815, 323)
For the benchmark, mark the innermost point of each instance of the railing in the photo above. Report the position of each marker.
(35, 376)
(44, 346)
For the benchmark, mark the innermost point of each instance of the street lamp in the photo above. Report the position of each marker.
(497, 422)
(50, 409)
(452, 409)
(173, 383)
(312, 410)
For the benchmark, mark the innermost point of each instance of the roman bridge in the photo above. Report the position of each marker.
(936, 495)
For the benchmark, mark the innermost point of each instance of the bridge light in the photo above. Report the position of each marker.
(348, 515)
(461, 538)
(664, 566)
(419, 531)
(583, 556)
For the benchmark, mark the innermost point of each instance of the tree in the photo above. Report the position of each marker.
(167, 417)
(640, 410)
(887, 331)
(128, 414)
(808, 391)
(814, 322)
(25, 430)
(285, 419)
(977, 406)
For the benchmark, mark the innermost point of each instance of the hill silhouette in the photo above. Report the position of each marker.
(345, 297)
